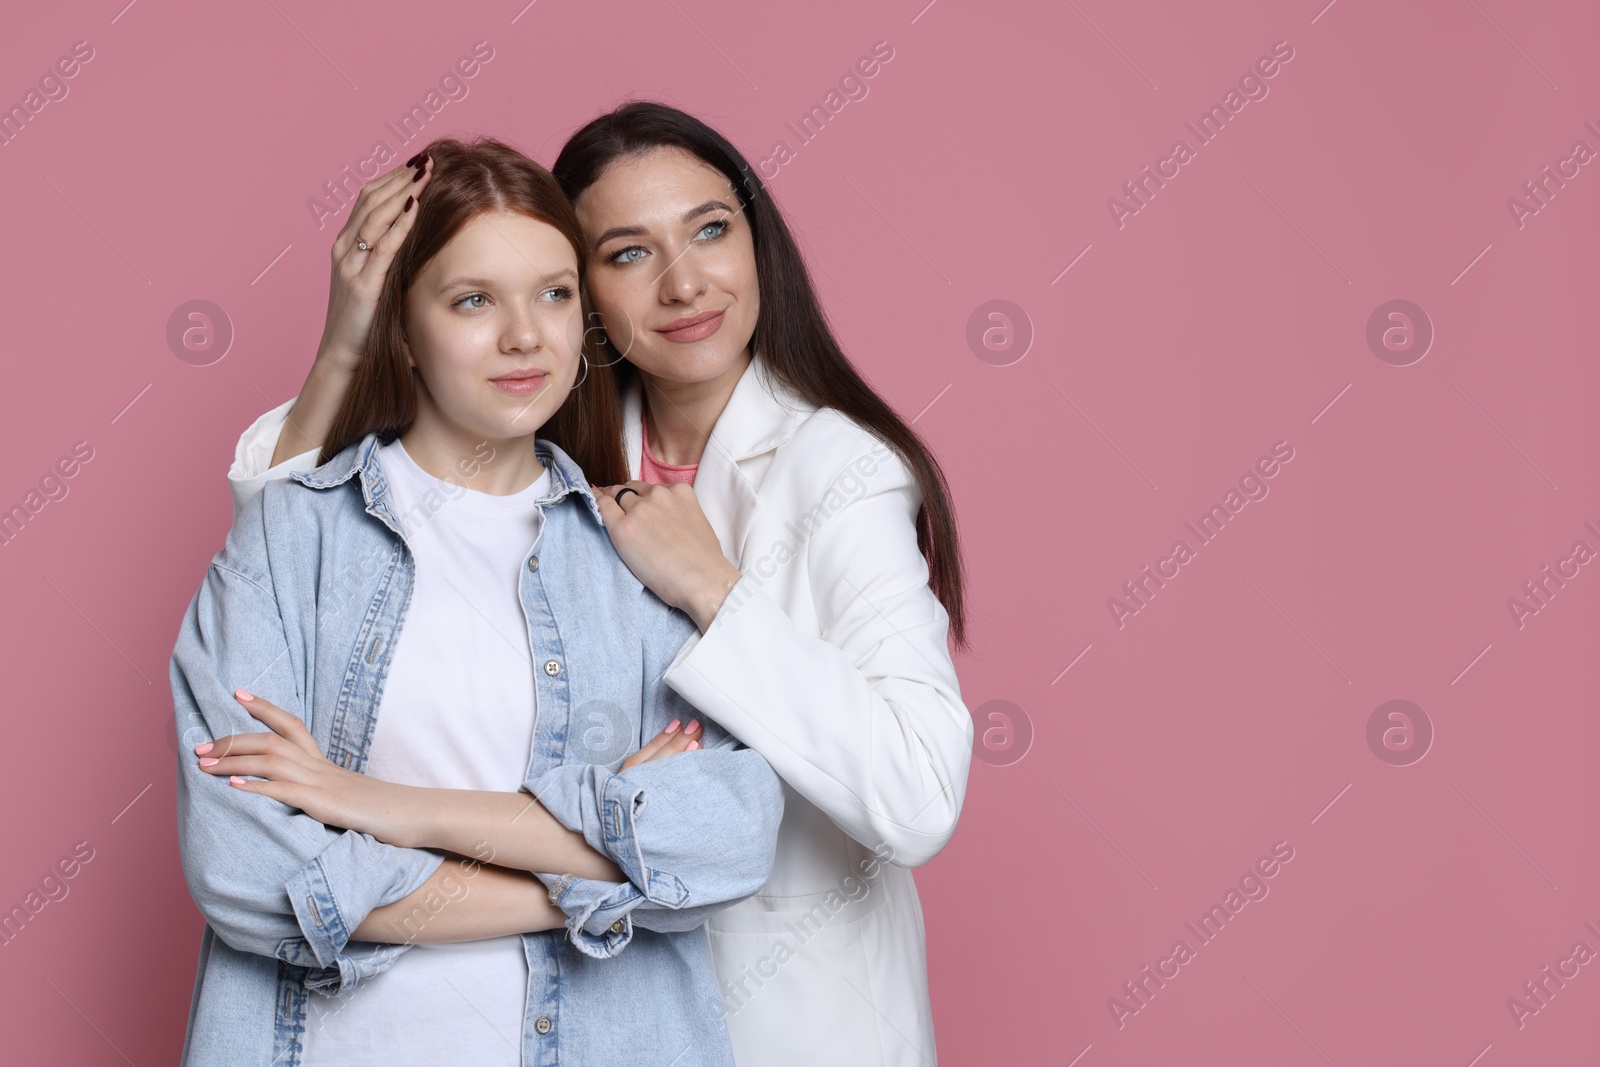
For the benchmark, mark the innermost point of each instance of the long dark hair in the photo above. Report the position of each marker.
(791, 333)
(469, 178)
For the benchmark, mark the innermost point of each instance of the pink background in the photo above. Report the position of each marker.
(1229, 313)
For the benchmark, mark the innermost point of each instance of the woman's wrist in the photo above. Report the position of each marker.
(335, 359)
(711, 593)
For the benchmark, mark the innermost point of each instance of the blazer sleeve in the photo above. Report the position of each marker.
(269, 879)
(252, 457)
(859, 711)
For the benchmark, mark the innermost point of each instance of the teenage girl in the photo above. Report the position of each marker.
(426, 841)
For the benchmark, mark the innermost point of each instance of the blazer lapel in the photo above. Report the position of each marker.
(727, 497)
(632, 434)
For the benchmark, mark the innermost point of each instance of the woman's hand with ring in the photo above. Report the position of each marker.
(665, 539)
(380, 219)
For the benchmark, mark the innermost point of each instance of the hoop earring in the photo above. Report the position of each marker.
(584, 376)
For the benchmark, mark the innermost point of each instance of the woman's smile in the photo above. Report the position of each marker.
(692, 327)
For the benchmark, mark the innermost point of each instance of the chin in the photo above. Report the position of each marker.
(689, 364)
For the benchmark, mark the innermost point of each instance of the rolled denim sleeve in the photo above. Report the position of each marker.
(693, 832)
(268, 879)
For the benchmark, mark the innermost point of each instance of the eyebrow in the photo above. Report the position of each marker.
(639, 231)
(566, 273)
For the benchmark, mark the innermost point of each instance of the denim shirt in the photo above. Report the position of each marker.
(303, 607)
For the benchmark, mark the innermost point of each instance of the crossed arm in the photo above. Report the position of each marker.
(708, 842)
(511, 834)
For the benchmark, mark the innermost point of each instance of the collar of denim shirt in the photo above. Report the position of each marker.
(566, 477)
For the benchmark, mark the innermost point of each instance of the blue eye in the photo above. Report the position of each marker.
(561, 293)
(626, 255)
(472, 296)
(719, 227)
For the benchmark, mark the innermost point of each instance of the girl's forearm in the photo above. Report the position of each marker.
(512, 827)
(464, 900)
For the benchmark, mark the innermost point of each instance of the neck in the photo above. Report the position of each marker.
(681, 414)
(498, 466)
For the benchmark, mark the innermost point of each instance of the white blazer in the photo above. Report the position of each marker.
(829, 658)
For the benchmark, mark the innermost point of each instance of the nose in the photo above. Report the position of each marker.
(523, 331)
(682, 282)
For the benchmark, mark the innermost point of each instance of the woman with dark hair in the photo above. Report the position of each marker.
(427, 842)
(817, 546)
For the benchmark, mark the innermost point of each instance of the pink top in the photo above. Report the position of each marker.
(660, 473)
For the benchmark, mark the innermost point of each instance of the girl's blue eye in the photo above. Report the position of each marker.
(472, 296)
(626, 255)
(561, 293)
(718, 227)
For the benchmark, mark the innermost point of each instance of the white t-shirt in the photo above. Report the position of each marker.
(457, 712)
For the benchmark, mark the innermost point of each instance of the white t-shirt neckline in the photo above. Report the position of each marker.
(397, 463)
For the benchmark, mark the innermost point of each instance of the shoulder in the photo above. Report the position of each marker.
(289, 505)
(830, 449)
(288, 520)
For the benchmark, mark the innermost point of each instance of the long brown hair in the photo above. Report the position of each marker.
(791, 333)
(469, 178)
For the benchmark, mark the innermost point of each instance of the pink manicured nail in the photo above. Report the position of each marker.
(201, 750)
(692, 746)
(234, 779)
(209, 761)
(243, 694)
(692, 727)
(672, 727)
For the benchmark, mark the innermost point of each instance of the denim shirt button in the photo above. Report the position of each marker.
(552, 667)
(543, 1024)
(617, 927)
(533, 563)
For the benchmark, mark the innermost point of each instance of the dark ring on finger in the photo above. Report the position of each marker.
(624, 489)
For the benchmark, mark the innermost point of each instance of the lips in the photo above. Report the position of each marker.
(692, 327)
(520, 383)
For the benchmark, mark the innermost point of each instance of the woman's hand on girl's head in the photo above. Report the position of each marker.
(665, 539)
(668, 742)
(296, 773)
(382, 216)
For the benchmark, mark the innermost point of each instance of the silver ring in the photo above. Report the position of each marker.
(362, 245)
